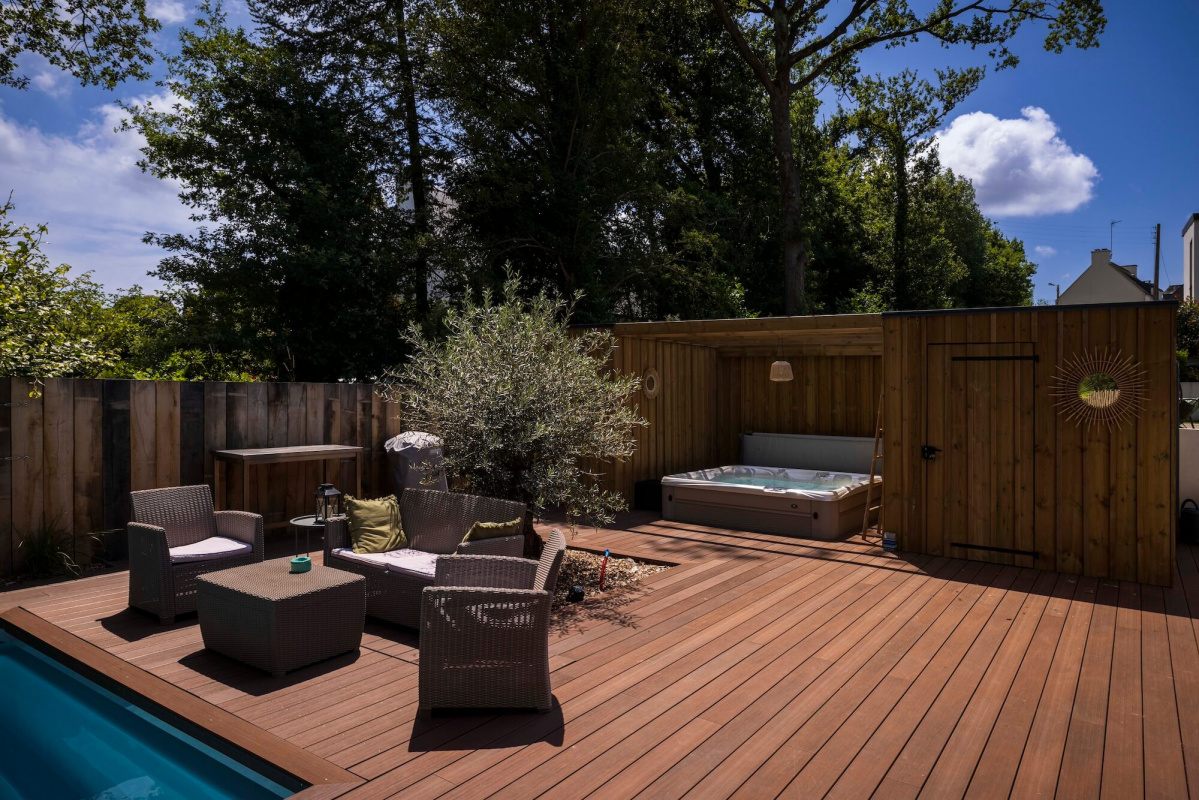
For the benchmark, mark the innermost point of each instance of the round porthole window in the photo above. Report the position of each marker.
(651, 384)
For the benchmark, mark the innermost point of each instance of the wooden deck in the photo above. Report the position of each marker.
(760, 666)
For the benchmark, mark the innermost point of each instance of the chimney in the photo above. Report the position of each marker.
(1101, 257)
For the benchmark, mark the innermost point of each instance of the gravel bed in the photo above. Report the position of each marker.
(580, 568)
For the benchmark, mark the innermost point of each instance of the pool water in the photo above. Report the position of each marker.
(782, 482)
(64, 737)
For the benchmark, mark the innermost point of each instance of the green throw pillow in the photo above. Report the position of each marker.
(493, 530)
(375, 525)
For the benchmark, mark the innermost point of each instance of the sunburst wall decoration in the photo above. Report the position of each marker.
(1100, 387)
(651, 384)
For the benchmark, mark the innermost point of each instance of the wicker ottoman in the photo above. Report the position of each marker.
(266, 617)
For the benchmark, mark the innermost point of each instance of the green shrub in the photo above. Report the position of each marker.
(48, 552)
(1187, 334)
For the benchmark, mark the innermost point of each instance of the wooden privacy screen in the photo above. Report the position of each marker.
(1014, 481)
(714, 384)
(71, 457)
(830, 396)
(680, 435)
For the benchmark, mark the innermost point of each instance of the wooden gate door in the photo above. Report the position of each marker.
(978, 452)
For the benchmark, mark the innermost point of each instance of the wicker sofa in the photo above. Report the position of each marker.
(484, 633)
(435, 523)
(175, 537)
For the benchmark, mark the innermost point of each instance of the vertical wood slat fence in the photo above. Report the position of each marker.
(705, 402)
(70, 457)
(1100, 501)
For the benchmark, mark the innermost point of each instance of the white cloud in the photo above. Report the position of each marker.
(1019, 167)
(44, 76)
(168, 12)
(52, 83)
(1044, 251)
(88, 188)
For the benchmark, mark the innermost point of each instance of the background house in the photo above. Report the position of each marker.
(1107, 282)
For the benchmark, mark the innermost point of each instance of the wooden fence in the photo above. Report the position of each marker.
(682, 415)
(1015, 482)
(70, 457)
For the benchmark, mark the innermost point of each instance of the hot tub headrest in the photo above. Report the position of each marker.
(799, 451)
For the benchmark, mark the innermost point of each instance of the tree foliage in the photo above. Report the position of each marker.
(958, 259)
(526, 410)
(897, 116)
(164, 336)
(306, 262)
(98, 41)
(1187, 340)
(46, 316)
(375, 53)
(53, 324)
(543, 100)
(791, 46)
(359, 167)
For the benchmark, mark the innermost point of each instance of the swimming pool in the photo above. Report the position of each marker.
(819, 504)
(63, 736)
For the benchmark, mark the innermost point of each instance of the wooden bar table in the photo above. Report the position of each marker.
(260, 456)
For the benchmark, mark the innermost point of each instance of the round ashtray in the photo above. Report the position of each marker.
(301, 564)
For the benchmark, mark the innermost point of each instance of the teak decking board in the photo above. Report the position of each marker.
(759, 666)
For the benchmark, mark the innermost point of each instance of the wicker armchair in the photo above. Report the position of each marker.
(484, 634)
(434, 522)
(164, 520)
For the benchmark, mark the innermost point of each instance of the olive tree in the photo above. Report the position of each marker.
(527, 410)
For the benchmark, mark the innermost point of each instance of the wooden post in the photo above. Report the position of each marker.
(358, 470)
(1157, 257)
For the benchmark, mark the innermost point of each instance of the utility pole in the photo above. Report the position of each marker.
(1111, 233)
(1157, 258)
(1057, 299)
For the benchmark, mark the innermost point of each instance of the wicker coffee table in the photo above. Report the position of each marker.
(267, 617)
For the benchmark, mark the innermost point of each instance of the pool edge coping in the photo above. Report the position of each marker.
(237, 738)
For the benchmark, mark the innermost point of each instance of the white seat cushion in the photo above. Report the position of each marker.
(415, 562)
(209, 549)
(374, 559)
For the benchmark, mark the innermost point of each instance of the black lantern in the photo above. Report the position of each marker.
(328, 503)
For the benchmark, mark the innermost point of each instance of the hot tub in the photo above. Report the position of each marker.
(791, 502)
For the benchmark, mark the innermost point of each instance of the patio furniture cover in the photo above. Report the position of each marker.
(408, 455)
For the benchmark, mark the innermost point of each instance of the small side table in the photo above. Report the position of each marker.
(309, 524)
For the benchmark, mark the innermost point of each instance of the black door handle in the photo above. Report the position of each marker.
(928, 452)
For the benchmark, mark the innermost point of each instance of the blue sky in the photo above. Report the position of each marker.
(1130, 106)
(1058, 147)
